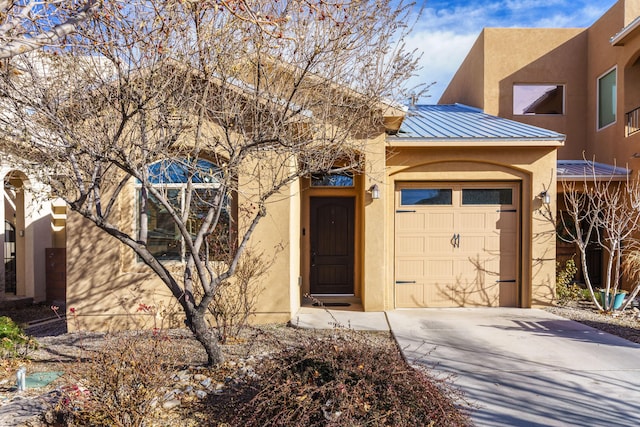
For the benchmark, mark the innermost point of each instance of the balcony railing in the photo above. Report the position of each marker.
(633, 121)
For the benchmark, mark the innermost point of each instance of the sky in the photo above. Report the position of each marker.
(448, 28)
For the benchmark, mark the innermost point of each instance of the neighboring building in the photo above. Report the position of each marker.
(33, 251)
(582, 82)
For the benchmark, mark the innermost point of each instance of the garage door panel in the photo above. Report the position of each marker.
(469, 251)
(472, 244)
(440, 221)
(441, 244)
(410, 245)
(410, 295)
(439, 268)
(411, 268)
(410, 221)
(438, 294)
(472, 221)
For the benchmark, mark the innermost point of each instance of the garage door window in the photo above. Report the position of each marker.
(425, 196)
(487, 196)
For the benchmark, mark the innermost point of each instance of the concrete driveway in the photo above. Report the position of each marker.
(526, 367)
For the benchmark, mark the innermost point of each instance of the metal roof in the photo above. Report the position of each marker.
(572, 170)
(440, 123)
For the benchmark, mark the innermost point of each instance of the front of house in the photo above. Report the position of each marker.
(450, 213)
(452, 207)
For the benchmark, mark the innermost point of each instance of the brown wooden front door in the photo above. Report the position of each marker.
(332, 245)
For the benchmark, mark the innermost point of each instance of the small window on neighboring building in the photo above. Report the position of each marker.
(607, 99)
(425, 196)
(532, 99)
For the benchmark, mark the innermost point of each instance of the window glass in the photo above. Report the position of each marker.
(344, 179)
(163, 239)
(176, 171)
(425, 196)
(607, 99)
(170, 177)
(531, 99)
(487, 196)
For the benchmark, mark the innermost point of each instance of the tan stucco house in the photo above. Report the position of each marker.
(448, 214)
(581, 82)
(450, 211)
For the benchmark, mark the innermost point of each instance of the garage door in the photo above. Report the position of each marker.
(456, 244)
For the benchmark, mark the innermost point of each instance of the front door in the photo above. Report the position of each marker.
(332, 245)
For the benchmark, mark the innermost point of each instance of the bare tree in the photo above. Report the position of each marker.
(232, 101)
(26, 25)
(604, 212)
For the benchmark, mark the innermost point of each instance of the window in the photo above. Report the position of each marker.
(607, 99)
(171, 177)
(343, 179)
(425, 196)
(487, 196)
(532, 99)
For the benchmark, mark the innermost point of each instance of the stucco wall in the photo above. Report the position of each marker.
(468, 84)
(610, 144)
(106, 283)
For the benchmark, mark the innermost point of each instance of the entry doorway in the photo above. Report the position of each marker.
(332, 239)
(9, 258)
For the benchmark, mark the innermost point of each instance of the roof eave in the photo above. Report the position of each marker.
(620, 38)
(474, 142)
(584, 178)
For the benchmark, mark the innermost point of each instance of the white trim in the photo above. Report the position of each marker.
(615, 120)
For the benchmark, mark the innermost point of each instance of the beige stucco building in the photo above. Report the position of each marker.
(449, 213)
(451, 210)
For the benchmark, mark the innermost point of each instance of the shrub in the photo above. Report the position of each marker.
(120, 383)
(566, 289)
(235, 301)
(345, 381)
(14, 343)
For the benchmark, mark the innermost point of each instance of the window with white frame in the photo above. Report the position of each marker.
(607, 98)
(171, 177)
(532, 99)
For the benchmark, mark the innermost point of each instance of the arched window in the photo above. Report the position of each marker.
(171, 177)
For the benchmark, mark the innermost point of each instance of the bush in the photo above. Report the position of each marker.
(14, 343)
(345, 381)
(566, 289)
(235, 301)
(120, 384)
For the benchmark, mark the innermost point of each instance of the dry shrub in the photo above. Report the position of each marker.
(345, 380)
(235, 301)
(120, 384)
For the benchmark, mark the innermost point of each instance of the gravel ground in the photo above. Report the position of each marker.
(625, 324)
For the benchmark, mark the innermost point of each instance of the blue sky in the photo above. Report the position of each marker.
(448, 28)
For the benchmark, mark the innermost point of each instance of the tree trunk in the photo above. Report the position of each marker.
(206, 337)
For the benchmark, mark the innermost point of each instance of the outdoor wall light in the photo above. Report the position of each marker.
(545, 197)
(375, 191)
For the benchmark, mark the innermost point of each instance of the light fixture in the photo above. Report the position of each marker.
(545, 197)
(375, 191)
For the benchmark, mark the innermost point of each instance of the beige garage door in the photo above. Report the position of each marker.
(456, 244)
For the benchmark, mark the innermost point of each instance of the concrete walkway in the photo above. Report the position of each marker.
(526, 367)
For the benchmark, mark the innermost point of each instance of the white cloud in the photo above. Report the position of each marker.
(442, 53)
